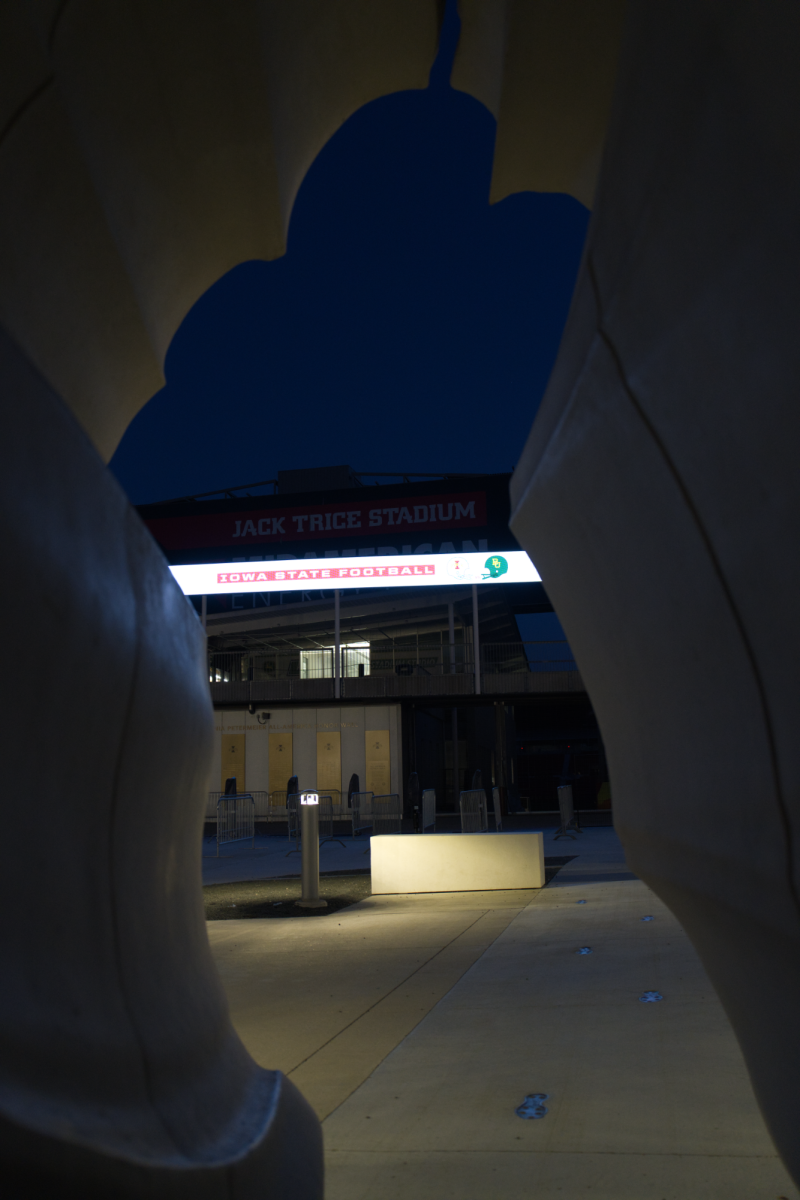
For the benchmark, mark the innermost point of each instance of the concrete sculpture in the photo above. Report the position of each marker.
(121, 1072)
(660, 496)
(145, 149)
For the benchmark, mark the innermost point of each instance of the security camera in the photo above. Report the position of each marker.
(251, 708)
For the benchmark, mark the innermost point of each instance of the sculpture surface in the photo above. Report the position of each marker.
(658, 494)
(120, 1068)
(145, 149)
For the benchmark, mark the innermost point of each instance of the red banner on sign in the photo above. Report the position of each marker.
(385, 517)
(318, 573)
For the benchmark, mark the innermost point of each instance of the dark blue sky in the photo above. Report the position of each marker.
(409, 327)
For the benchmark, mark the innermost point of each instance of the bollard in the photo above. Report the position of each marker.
(568, 827)
(309, 849)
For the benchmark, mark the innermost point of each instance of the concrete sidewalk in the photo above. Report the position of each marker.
(416, 1025)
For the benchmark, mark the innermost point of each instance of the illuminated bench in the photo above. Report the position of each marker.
(456, 862)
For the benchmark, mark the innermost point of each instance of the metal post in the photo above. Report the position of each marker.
(476, 641)
(337, 687)
(454, 735)
(309, 845)
(500, 751)
(451, 624)
(203, 610)
(566, 811)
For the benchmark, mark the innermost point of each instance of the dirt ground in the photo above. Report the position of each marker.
(276, 897)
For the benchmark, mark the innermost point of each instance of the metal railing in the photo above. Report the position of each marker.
(507, 658)
(276, 809)
(331, 809)
(293, 817)
(408, 657)
(385, 659)
(498, 814)
(239, 666)
(260, 801)
(387, 813)
(360, 811)
(235, 820)
(474, 817)
(428, 817)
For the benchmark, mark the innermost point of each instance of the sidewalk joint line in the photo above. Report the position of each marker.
(391, 992)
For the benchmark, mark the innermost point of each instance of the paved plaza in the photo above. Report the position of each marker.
(416, 1025)
(275, 856)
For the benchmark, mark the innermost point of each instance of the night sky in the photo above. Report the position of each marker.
(409, 327)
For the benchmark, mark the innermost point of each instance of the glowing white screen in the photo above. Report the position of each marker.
(381, 571)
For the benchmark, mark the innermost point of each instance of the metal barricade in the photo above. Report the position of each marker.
(387, 814)
(325, 809)
(236, 819)
(260, 800)
(277, 805)
(361, 811)
(428, 809)
(474, 817)
(293, 817)
(330, 810)
(498, 812)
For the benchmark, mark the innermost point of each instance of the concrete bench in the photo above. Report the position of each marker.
(456, 862)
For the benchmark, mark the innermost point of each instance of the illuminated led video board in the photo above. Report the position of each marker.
(381, 571)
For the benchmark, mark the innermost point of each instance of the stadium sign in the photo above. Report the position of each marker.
(380, 571)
